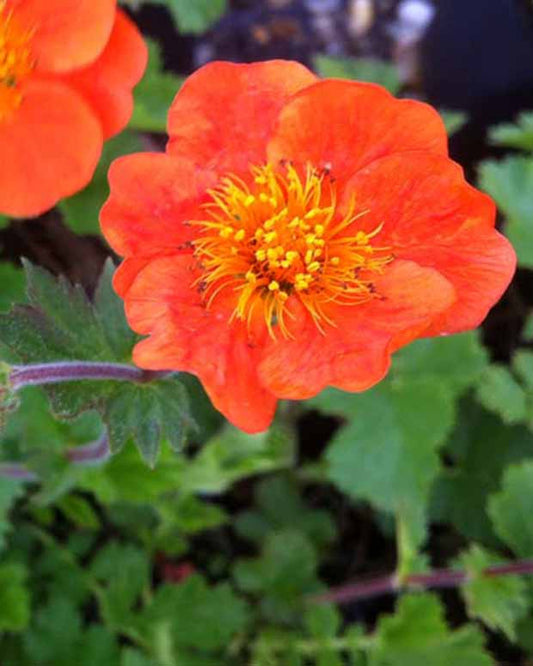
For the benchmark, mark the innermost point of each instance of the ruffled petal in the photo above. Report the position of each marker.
(224, 113)
(50, 147)
(152, 196)
(345, 125)
(432, 216)
(67, 33)
(355, 354)
(185, 336)
(108, 82)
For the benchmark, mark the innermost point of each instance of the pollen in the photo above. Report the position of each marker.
(279, 237)
(16, 60)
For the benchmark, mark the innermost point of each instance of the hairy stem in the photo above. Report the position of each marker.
(93, 453)
(439, 578)
(68, 371)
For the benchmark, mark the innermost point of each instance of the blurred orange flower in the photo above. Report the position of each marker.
(67, 68)
(295, 234)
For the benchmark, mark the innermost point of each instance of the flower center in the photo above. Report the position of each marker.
(16, 61)
(281, 236)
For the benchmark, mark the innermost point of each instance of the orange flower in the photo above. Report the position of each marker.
(294, 235)
(67, 68)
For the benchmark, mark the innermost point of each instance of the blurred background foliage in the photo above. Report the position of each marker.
(194, 544)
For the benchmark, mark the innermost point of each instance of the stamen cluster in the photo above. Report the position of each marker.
(279, 234)
(16, 60)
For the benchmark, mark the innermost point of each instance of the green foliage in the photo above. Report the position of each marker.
(515, 135)
(496, 600)
(510, 183)
(453, 120)
(498, 391)
(359, 69)
(154, 94)
(10, 490)
(14, 598)
(60, 323)
(12, 281)
(82, 210)
(511, 509)
(195, 16)
(417, 635)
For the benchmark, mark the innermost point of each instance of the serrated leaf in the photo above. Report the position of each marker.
(387, 452)
(14, 598)
(201, 617)
(499, 392)
(60, 323)
(154, 94)
(124, 572)
(514, 135)
(498, 601)
(82, 210)
(511, 509)
(510, 183)
(479, 450)
(78, 510)
(417, 635)
(197, 16)
(359, 69)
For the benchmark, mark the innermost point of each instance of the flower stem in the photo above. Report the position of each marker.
(68, 371)
(439, 578)
(93, 453)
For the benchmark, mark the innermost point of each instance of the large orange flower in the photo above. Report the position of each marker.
(295, 234)
(67, 68)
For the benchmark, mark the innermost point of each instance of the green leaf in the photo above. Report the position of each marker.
(14, 598)
(417, 635)
(461, 492)
(279, 506)
(514, 135)
(78, 510)
(197, 16)
(498, 601)
(359, 69)
(453, 120)
(283, 574)
(60, 323)
(202, 617)
(233, 454)
(511, 509)
(10, 490)
(4, 222)
(124, 572)
(387, 453)
(55, 635)
(154, 94)
(510, 183)
(82, 210)
(499, 392)
(12, 281)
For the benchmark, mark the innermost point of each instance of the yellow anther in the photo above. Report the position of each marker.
(226, 232)
(263, 197)
(271, 254)
(239, 236)
(313, 267)
(260, 255)
(271, 236)
(259, 234)
(269, 224)
(291, 255)
(273, 286)
(283, 296)
(312, 213)
(310, 239)
(250, 199)
(361, 238)
(308, 256)
(319, 229)
(260, 180)
(335, 261)
(273, 201)
(294, 223)
(318, 253)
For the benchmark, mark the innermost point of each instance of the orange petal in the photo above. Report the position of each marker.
(432, 216)
(185, 336)
(355, 354)
(108, 82)
(68, 33)
(224, 113)
(50, 147)
(344, 125)
(152, 196)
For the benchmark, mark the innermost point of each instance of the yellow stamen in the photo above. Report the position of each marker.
(300, 247)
